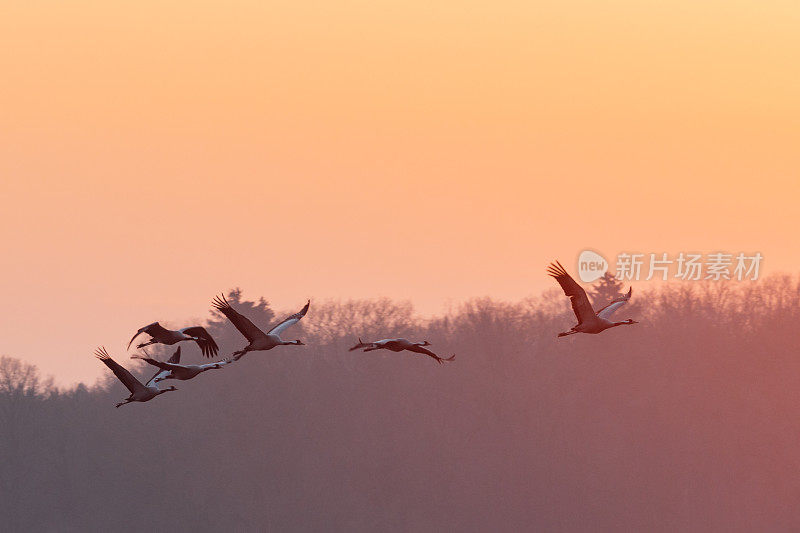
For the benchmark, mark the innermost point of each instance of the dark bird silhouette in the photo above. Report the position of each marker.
(258, 339)
(160, 374)
(398, 345)
(162, 335)
(172, 369)
(139, 392)
(589, 321)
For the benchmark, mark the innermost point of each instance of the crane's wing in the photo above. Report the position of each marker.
(577, 296)
(203, 339)
(156, 362)
(224, 362)
(242, 323)
(176, 358)
(394, 344)
(154, 330)
(361, 344)
(419, 349)
(294, 319)
(127, 379)
(615, 304)
(160, 375)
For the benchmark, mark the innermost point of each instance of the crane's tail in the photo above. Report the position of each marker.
(448, 359)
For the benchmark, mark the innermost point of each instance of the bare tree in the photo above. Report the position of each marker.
(20, 380)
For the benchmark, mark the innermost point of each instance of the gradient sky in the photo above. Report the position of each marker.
(154, 154)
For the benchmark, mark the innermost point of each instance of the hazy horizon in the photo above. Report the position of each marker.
(154, 155)
(685, 421)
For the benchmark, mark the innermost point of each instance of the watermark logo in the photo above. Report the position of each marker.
(715, 266)
(687, 266)
(591, 266)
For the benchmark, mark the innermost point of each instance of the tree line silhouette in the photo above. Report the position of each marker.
(686, 421)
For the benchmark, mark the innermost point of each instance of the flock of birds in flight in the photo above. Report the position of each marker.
(589, 321)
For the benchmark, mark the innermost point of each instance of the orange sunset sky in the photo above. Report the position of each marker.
(153, 154)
